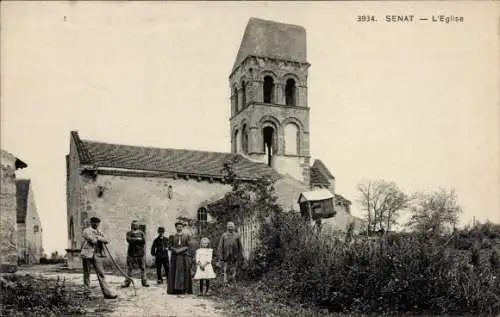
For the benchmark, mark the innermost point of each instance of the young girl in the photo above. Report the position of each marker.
(204, 269)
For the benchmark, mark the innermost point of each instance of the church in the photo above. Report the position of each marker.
(269, 126)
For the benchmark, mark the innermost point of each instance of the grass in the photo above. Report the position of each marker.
(254, 299)
(26, 295)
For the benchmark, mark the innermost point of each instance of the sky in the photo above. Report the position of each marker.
(414, 103)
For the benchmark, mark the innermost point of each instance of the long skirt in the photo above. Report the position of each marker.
(180, 280)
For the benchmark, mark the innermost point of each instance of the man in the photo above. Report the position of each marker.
(135, 254)
(180, 280)
(230, 252)
(159, 250)
(92, 255)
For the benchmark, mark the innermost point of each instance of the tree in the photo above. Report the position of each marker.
(435, 211)
(382, 201)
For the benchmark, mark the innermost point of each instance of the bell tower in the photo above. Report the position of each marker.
(269, 112)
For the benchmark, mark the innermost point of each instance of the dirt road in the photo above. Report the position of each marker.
(150, 301)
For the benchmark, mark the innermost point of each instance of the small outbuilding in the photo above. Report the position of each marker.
(317, 204)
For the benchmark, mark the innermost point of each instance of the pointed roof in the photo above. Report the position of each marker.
(22, 191)
(272, 39)
(320, 167)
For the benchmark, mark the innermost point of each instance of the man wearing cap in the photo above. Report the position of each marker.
(92, 255)
(159, 250)
(230, 252)
(180, 279)
(136, 254)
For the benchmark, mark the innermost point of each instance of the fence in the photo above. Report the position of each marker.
(249, 231)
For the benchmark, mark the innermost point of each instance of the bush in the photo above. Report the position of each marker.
(397, 272)
(27, 295)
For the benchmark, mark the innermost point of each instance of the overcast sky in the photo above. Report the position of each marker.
(414, 103)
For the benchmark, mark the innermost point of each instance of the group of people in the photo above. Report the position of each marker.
(173, 255)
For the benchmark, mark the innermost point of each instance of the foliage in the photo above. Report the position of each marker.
(35, 296)
(435, 211)
(411, 272)
(247, 201)
(382, 201)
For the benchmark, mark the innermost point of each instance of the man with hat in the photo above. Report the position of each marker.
(180, 279)
(92, 255)
(136, 254)
(230, 252)
(159, 250)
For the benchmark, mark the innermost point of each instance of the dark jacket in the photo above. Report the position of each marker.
(160, 246)
(136, 242)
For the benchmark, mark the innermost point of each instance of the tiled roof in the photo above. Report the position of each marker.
(188, 162)
(317, 178)
(272, 39)
(22, 191)
(321, 167)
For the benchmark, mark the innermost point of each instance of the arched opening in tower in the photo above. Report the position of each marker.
(268, 89)
(268, 134)
(243, 94)
(290, 92)
(236, 101)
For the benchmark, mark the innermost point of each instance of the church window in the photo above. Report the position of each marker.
(35, 228)
(243, 94)
(291, 139)
(236, 101)
(71, 229)
(268, 138)
(268, 89)
(237, 144)
(202, 218)
(244, 139)
(290, 92)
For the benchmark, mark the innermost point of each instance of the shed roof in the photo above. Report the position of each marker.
(315, 195)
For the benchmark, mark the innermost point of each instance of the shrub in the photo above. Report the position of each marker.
(397, 272)
(27, 295)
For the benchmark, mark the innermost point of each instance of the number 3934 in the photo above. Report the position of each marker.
(366, 18)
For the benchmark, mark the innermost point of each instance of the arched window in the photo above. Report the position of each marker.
(243, 94)
(290, 92)
(237, 145)
(291, 139)
(268, 135)
(236, 101)
(268, 89)
(71, 229)
(202, 219)
(244, 139)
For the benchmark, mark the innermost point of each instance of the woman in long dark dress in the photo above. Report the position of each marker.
(180, 280)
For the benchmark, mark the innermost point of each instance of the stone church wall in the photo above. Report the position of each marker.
(117, 200)
(30, 238)
(8, 203)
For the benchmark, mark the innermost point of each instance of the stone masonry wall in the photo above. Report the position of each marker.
(124, 199)
(8, 202)
(33, 237)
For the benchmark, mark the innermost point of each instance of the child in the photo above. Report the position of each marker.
(204, 269)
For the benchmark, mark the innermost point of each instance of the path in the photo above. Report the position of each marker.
(150, 301)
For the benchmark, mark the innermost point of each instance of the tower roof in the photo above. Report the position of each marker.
(272, 39)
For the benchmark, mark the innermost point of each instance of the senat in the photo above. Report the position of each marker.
(399, 18)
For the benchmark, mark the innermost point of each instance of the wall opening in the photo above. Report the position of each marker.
(268, 89)
(71, 228)
(236, 142)
(202, 219)
(244, 139)
(290, 92)
(235, 98)
(268, 137)
(292, 139)
(243, 94)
